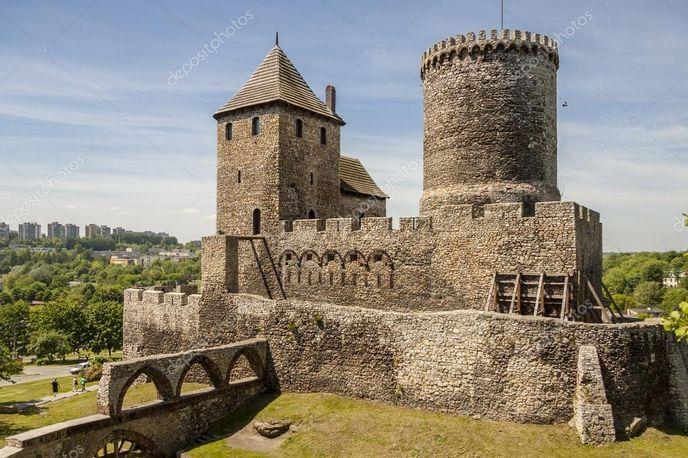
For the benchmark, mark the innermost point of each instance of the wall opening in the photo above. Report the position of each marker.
(311, 214)
(312, 179)
(228, 131)
(323, 136)
(256, 222)
(299, 128)
(201, 375)
(255, 126)
(239, 176)
(244, 367)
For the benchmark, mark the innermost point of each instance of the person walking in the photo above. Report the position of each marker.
(83, 383)
(55, 386)
(75, 384)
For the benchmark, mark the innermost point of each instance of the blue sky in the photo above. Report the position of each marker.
(92, 130)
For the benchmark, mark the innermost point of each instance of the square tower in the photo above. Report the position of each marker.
(277, 152)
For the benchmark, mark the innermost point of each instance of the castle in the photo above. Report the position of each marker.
(488, 303)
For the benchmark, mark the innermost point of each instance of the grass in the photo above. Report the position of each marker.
(329, 425)
(64, 409)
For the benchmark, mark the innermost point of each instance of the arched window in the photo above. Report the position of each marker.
(312, 179)
(239, 176)
(299, 128)
(228, 131)
(311, 214)
(255, 126)
(256, 221)
(323, 136)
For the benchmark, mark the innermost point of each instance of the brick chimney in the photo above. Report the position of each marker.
(331, 98)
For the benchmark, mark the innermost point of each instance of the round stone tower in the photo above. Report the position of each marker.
(490, 107)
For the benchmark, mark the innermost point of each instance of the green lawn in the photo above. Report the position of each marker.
(330, 425)
(64, 409)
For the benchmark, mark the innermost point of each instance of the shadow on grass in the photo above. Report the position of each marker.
(30, 409)
(242, 416)
(670, 429)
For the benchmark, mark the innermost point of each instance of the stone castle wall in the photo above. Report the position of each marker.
(490, 113)
(496, 366)
(502, 367)
(427, 263)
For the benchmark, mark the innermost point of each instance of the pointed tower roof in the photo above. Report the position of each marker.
(275, 79)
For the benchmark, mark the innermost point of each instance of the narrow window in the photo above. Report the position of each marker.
(255, 126)
(323, 136)
(311, 214)
(228, 131)
(312, 180)
(288, 256)
(309, 256)
(299, 128)
(256, 221)
(239, 176)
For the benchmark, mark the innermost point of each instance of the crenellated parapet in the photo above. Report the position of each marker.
(488, 213)
(485, 42)
(138, 296)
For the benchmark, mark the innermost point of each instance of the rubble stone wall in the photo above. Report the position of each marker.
(438, 263)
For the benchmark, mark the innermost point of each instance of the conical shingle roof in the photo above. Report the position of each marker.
(276, 78)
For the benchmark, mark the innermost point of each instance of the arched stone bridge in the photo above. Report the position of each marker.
(159, 428)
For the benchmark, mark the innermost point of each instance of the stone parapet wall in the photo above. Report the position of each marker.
(502, 367)
(173, 318)
(438, 262)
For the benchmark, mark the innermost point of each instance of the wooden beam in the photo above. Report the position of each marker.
(565, 300)
(539, 293)
(491, 294)
(517, 293)
(599, 301)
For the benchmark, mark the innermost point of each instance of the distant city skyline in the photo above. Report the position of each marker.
(106, 112)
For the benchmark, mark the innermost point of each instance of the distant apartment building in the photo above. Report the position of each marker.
(4, 231)
(29, 231)
(56, 230)
(71, 231)
(118, 230)
(94, 230)
(673, 279)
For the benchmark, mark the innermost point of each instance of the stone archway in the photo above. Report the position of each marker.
(121, 443)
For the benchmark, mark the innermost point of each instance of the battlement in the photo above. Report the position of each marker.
(487, 41)
(370, 224)
(487, 212)
(160, 298)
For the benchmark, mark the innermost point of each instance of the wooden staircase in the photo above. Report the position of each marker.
(567, 296)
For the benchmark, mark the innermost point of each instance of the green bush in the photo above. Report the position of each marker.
(94, 373)
(99, 360)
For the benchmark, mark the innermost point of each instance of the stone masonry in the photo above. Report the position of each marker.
(395, 314)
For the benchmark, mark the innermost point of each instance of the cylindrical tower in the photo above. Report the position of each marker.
(490, 107)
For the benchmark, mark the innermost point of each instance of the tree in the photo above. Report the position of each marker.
(624, 301)
(615, 280)
(677, 322)
(65, 317)
(648, 294)
(8, 365)
(49, 344)
(673, 298)
(14, 321)
(104, 326)
(653, 270)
